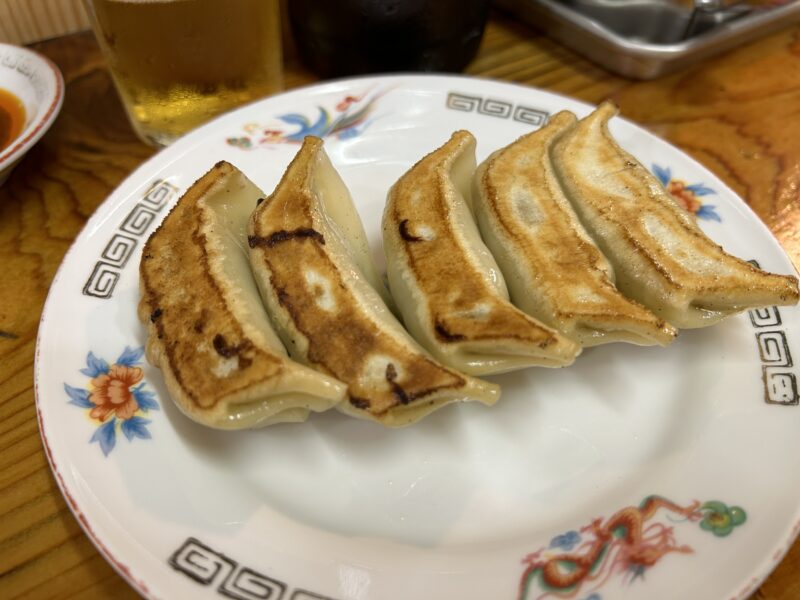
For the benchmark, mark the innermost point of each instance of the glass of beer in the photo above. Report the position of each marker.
(178, 63)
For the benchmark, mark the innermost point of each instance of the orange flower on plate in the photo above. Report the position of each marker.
(684, 195)
(113, 398)
(112, 392)
(688, 195)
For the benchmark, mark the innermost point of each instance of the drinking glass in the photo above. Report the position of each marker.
(178, 63)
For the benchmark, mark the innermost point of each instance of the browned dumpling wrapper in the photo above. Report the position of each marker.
(311, 260)
(208, 332)
(448, 286)
(553, 269)
(660, 255)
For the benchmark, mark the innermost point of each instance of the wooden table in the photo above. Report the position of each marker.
(738, 114)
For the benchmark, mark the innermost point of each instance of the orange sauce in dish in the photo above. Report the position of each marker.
(12, 118)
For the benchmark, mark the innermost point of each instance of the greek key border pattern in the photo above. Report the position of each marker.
(497, 108)
(211, 568)
(107, 270)
(780, 381)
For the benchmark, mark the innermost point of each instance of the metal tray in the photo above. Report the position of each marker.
(644, 39)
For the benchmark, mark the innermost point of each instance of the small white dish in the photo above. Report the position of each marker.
(38, 83)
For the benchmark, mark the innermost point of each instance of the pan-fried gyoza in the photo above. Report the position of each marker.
(592, 247)
(307, 248)
(448, 286)
(222, 362)
(660, 256)
(553, 269)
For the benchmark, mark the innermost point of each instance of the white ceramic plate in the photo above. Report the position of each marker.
(636, 473)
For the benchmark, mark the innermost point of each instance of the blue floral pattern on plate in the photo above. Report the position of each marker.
(115, 398)
(688, 195)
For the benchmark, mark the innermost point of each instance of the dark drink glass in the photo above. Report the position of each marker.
(348, 37)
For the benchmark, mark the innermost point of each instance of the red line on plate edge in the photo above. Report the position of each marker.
(120, 567)
(777, 557)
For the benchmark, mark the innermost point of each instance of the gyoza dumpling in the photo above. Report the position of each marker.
(553, 269)
(660, 256)
(223, 364)
(447, 285)
(307, 251)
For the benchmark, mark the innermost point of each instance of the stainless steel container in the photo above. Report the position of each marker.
(643, 39)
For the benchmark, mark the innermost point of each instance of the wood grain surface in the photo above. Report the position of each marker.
(737, 114)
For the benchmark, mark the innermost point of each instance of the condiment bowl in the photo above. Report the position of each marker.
(38, 84)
